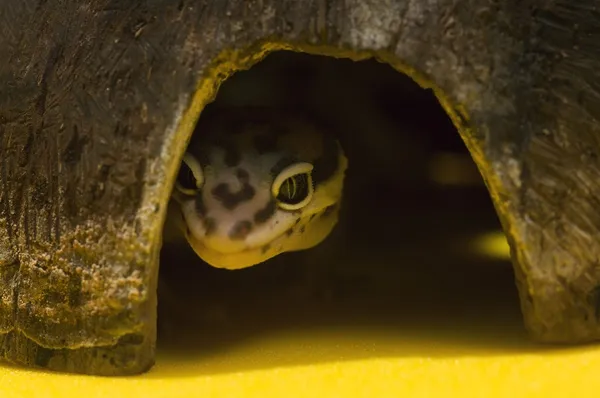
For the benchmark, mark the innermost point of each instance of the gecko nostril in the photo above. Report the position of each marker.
(240, 230)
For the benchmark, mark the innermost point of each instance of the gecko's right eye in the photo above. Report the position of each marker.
(293, 187)
(190, 177)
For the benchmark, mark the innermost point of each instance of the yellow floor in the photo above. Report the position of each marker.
(440, 344)
(267, 369)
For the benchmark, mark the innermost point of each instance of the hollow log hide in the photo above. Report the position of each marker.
(99, 98)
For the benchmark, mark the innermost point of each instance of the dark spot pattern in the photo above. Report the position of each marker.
(242, 175)
(210, 225)
(303, 229)
(326, 165)
(289, 232)
(200, 206)
(265, 248)
(240, 230)
(328, 211)
(265, 213)
(231, 200)
(312, 216)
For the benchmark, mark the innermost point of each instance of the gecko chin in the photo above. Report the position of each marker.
(220, 251)
(243, 258)
(232, 260)
(304, 234)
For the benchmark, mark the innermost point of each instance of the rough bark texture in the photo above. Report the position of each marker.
(99, 97)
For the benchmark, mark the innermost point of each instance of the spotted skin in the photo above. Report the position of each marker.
(233, 220)
(230, 200)
(265, 214)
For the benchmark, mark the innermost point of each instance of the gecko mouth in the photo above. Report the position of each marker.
(301, 234)
(233, 260)
(240, 259)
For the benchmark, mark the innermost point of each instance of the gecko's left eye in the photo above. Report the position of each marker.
(190, 177)
(293, 187)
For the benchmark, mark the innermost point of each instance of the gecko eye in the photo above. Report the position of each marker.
(293, 187)
(190, 177)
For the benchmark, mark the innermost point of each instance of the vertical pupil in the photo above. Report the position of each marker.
(186, 177)
(295, 189)
(289, 188)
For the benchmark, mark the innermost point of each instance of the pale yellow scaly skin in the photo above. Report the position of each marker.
(225, 200)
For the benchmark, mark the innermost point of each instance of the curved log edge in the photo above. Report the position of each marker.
(103, 96)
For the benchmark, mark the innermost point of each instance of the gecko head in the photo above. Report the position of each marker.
(257, 182)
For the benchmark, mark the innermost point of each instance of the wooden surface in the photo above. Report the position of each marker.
(100, 97)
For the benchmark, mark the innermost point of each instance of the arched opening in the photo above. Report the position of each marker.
(416, 266)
